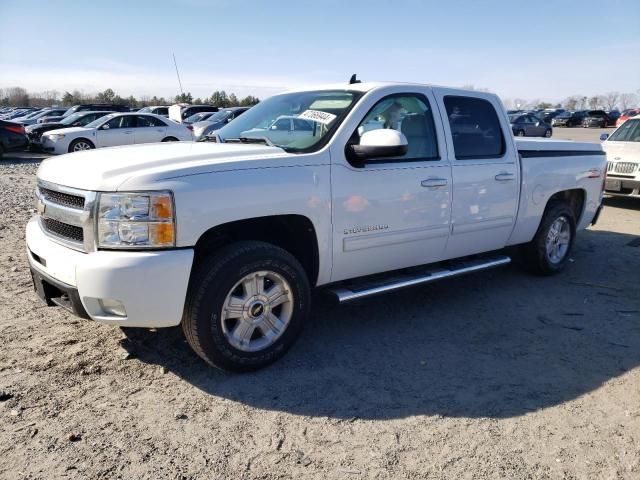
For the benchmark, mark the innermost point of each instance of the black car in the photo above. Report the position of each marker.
(96, 107)
(79, 119)
(546, 115)
(595, 118)
(569, 119)
(12, 137)
(613, 115)
(187, 111)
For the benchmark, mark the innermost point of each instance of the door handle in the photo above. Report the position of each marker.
(504, 176)
(434, 182)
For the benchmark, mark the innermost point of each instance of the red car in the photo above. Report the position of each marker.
(626, 115)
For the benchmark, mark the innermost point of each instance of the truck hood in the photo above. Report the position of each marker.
(107, 169)
(622, 151)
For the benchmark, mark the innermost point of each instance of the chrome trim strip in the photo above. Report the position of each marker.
(381, 239)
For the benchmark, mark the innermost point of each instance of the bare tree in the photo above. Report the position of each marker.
(571, 103)
(594, 102)
(611, 99)
(627, 100)
(16, 96)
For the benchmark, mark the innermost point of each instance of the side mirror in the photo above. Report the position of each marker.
(105, 127)
(379, 143)
(604, 136)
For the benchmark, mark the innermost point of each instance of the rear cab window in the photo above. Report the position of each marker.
(475, 128)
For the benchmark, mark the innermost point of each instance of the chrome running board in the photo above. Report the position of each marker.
(346, 292)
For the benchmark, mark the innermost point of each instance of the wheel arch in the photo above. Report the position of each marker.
(293, 232)
(574, 197)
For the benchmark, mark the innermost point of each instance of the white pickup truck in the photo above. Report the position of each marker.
(399, 185)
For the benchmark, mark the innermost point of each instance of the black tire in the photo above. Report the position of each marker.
(534, 256)
(77, 141)
(209, 286)
(170, 139)
(520, 133)
(548, 133)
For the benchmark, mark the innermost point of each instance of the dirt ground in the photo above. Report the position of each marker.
(499, 375)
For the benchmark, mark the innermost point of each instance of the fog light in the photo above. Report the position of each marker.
(112, 307)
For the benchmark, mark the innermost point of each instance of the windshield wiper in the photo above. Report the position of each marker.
(263, 140)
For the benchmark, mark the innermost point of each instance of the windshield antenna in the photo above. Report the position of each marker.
(177, 73)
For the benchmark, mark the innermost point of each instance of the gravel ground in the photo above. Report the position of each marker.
(499, 375)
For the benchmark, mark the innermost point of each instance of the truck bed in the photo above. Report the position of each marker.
(543, 147)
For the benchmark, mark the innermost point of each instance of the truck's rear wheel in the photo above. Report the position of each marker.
(246, 306)
(549, 250)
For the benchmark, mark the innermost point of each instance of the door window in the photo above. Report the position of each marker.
(475, 128)
(125, 121)
(146, 121)
(281, 124)
(411, 115)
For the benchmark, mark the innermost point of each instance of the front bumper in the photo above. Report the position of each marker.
(151, 285)
(620, 185)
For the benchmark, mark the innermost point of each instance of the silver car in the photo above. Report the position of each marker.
(528, 125)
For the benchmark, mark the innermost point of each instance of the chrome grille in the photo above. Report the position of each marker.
(625, 167)
(60, 198)
(63, 230)
(66, 215)
(610, 166)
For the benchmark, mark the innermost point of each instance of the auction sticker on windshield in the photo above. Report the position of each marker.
(317, 116)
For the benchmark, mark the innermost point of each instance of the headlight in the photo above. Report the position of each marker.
(56, 136)
(136, 220)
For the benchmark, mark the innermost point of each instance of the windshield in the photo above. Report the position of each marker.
(564, 115)
(71, 118)
(513, 118)
(145, 109)
(629, 131)
(295, 121)
(99, 121)
(220, 116)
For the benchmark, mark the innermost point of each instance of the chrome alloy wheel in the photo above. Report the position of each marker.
(558, 238)
(257, 311)
(81, 145)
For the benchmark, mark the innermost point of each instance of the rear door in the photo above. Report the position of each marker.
(149, 129)
(485, 171)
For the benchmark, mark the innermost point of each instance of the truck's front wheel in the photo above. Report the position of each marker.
(246, 306)
(549, 250)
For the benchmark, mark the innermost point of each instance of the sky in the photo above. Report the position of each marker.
(544, 50)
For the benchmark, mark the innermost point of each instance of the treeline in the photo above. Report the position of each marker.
(19, 97)
(607, 101)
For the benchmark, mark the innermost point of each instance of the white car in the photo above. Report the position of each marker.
(623, 154)
(284, 130)
(113, 130)
(34, 117)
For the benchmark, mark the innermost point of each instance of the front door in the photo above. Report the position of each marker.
(485, 172)
(117, 131)
(391, 213)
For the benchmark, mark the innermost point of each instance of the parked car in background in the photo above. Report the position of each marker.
(613, 115)
(284, 130)
(197, 117)
(626, 115)
(595, 118)
(156, 109)
(79, 119)
(569, 119)
(96, 107)
(115, 129)
(18, 112)
(623, 158)
(180, 111)
(216, 121)
(34, 117)
(529, 125)
(548, 115)
(12, 137)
